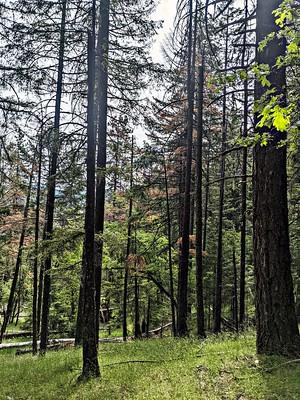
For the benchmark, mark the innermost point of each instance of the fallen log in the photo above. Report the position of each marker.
(159, 330)
(65, 342)
(52, 347)
(14, 335)
(71, 341)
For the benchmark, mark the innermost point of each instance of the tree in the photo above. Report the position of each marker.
(89, 334)
(102, 85)
(276, 322)
(220, 259)
(199, 202)
(182, 328)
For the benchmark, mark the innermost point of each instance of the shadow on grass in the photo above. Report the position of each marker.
(281, 377)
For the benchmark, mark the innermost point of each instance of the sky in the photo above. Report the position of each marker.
(166, 11)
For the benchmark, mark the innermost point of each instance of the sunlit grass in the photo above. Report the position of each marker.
(222, 367)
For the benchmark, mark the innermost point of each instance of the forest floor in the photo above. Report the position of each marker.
(220, 368)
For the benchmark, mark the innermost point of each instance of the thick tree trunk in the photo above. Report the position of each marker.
(13, 287)
(89, 335)
(276, 323)
(52, 183)
(102, 87)
(182, 327)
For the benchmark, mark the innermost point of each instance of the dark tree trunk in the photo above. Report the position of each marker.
(14, 313)
(182, 327)
(89, 335)
(172, 299)
(14, 283)
(219, 266)
(52, 183)
(116, 173)
(276, 323)
(244, 187)
(128, 249)
(102, 86)
(35, 331)
(199, 206)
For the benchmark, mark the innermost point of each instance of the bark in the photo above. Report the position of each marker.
(102, 87)
(276, 323)
(182, 327)
(52, 183)
(90, 366)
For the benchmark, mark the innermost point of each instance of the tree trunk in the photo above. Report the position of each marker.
(36, 245)
(244, 187)
(40, 297)
(206, 201)
(199, 206)
(79, 319)
(89, 335)
(52, 183)
(276, 323)
(235, 317)
(137, 325)
(182, 328)
(148, 317)
(102, 86)
(219, 266)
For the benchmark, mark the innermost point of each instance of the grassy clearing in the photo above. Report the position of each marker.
(219, 368)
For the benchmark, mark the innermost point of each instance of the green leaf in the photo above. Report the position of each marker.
(292, 47)
(281, 119)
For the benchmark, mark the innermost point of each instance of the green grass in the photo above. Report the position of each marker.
(222, 368)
